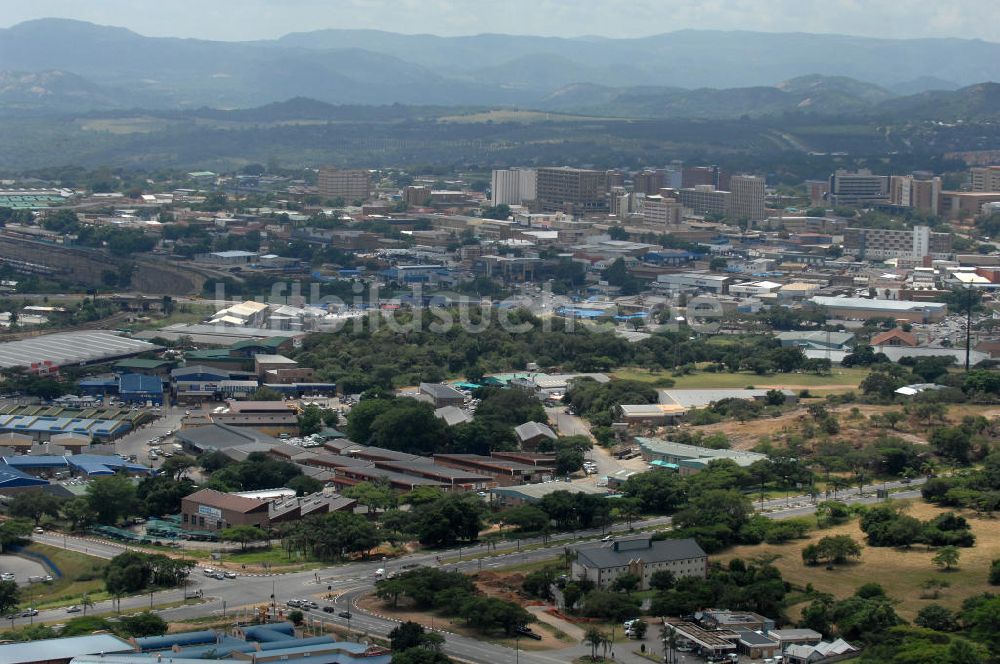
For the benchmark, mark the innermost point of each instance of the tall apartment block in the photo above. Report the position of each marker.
(513, 186)
(880, 243)
(573, 190)
(858, 189)
(746, 198)
(922, 192)
(351, 185)
(984, 178)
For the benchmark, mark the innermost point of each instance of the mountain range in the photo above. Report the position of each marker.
(60, 66)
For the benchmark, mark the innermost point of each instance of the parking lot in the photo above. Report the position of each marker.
(21, 568)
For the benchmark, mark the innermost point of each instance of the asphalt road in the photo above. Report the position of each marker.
(350, 581)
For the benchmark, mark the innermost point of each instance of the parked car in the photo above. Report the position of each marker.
(293, 603)
(38, 530)
(230, 575)
(7, 576)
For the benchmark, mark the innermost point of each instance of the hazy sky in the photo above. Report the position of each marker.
(257, 19)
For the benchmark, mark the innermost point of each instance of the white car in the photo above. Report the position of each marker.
(73, 609)
(7, 576)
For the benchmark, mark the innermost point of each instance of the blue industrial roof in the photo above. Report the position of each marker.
(51, 425)
(181, 639)
(91, 464)
(140, 383)
(12, 478)
(39, 461)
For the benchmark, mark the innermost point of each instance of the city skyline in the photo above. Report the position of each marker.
(267, 19)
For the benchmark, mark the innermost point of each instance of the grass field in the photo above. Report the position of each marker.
(839, 379)
(900, 572)
(80, 574)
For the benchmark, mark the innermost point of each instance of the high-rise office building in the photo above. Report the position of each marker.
(984, 178)
(513, 186)
(704, 199)
(858, 189)
(613, 179)
(649, 182)
(746, 198)
(350, 185)
(571, 189)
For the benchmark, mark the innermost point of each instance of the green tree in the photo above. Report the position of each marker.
(994, 577)
(662, 580)
(947, 557)
(376, 496)
(112, 498)
(935, 616)
(34, 505)
(10, 596)
(244, 534)
(143, 624)
(296, 617)
(526, 518)
(13, 531)
(449, 520)
(626, 583)
(177, 466)
(79, 513)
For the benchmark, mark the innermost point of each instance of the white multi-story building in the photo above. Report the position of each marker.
(514, 186)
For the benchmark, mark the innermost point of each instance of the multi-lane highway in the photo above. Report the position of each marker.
(346, 583)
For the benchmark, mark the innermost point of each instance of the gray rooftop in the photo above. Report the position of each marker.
(618, 553)
(55, 649)
(440, 391)
(702, 398)
(221, 436)
(63, 348)
(532, 492)
(876, 305)
(453, 415)
(530, 430)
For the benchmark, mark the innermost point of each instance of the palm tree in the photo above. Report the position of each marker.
(669, 638)
(595, 639)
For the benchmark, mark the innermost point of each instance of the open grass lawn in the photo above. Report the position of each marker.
(80, 574)
(900, 572)
(840, 378)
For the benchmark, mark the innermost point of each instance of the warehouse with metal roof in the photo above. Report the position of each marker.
(66, 348)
